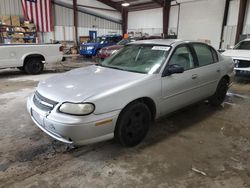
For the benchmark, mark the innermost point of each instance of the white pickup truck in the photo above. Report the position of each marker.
(241, 56)
(29, 58)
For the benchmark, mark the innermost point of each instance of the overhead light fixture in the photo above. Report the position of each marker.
(125, 4)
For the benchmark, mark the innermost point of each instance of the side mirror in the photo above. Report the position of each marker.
(173, 69)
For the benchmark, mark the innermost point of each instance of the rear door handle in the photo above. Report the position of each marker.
(218, 70)
(194, 76)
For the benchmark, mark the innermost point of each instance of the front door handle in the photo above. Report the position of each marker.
(194, 76)
(218, 70)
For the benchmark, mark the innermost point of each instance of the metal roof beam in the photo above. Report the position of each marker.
(160, 2)
(112, 4)
(143, 6)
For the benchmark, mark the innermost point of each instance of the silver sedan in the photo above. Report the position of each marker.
(123, 95)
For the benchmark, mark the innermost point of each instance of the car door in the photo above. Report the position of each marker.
(179, 90)
(209, 71)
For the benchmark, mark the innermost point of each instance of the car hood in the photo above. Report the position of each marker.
(82, 83)
(114, 47)
(239, 54)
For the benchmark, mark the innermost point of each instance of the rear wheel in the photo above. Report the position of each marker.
(220, 94)
(33, 66)
(133, 124)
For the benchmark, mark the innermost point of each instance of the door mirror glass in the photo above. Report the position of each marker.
(173, 69)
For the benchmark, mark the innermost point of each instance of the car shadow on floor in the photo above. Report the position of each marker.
(242, 80)
(12, 73)
(160, 130)
(178, 121)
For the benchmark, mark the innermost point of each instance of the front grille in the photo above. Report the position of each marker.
(43, 103)
(242, 63)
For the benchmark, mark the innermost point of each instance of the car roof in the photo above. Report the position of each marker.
(169, 42)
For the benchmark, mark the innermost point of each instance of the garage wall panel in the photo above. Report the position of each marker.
(64, 25)
(146, 21)
(173, 20)
(63, 16)
(231, 27)
(201, 20)
(84, 31)
(246, 29)
(11, 7)
(86, 20)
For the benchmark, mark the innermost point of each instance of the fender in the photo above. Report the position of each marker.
(31, 54)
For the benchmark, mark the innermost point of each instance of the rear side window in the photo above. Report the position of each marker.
(204, 54)
(215, 55)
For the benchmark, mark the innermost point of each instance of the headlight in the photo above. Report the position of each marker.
(77, 108)
(90, 47)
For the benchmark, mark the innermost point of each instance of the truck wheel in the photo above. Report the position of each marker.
(220, 93)
(33, 66)
(133, 124)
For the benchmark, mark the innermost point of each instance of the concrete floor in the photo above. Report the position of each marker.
(215, 141)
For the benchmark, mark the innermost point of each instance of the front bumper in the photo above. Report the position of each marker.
(77, 130)
(242, 71)
(88, 52)
(242, 67)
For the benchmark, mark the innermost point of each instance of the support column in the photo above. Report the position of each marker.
(166, 11)
(224, 23)
(75, 20)
(124, 21)
(241, 17)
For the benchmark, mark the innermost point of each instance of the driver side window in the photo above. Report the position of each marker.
(182, 56)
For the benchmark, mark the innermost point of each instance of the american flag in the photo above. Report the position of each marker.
(40, 13)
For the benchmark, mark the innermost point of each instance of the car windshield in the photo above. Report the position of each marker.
(244, 45)
(126, 41)
(98, 40)
(142, 58)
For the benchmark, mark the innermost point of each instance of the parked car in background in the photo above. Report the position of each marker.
(29, 57)
(92, 48)
(241, 57)
(108, 51)
(126, 92)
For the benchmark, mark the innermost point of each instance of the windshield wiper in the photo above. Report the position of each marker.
(116, 68)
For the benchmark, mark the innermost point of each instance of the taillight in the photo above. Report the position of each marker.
(61, 48)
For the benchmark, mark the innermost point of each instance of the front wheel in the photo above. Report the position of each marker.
(33, 66)
(133, 124)
(220, 93)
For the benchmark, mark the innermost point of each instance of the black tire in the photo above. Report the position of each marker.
(220, 94)
(33, 66)
(133, 124)
(21, 69)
